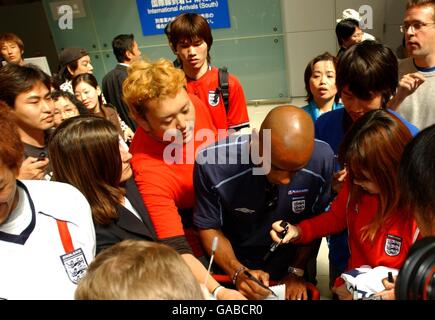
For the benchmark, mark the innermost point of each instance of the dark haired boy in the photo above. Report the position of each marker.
(190, 39)
(11, 48)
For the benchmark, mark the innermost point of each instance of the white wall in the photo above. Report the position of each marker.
(309, 30)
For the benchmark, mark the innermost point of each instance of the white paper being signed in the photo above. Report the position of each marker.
(279, 291)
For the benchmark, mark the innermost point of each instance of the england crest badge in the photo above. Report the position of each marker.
(393, 244)
(298, 206)
(75, 265)
(213, 98)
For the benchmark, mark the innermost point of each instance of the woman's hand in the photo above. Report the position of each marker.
(293, 232)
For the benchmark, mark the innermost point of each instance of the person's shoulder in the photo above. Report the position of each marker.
(109, 74)
(230, 144)
(42, 186)
(60, 200)
(321, 161)
(233, 80)
(307, 107)
(412, 128)
(321, 156)
(224, 158)
(120, 70)
(322, 149)
(115, 72)
(330, 118)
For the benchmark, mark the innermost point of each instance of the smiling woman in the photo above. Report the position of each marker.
(87, 91)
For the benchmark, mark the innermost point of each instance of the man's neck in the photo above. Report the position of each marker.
(34, 137)
(425, 62)
(196, 74)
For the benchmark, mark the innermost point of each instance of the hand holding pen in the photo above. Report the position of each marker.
(251, 277)
(254, 284)
(275, 245)
(292, 233)
(389, 283)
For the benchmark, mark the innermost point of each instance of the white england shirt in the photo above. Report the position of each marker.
(33, 261)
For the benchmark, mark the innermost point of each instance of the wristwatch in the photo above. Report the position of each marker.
(296, 271)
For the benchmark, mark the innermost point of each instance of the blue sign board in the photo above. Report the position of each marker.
(156, 14)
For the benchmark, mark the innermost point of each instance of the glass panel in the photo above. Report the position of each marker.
(252, 48)
(258, 63)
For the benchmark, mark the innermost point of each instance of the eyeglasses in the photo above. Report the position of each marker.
(416, 26)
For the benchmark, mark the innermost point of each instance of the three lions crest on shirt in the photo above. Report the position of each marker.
(75, 265)
(393, 244)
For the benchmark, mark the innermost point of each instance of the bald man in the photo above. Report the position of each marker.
(240, 192)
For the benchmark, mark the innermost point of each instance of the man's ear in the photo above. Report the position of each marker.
(70, 71)
(128, 55)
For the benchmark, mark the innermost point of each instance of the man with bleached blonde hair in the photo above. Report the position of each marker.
(159, 103)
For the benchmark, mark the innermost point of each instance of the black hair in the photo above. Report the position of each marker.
(368, 67)
(345, 29)
(16, 79)
(121, 44)
(416, 175)
(67, 95)
(189, 26)
(89, 79)
(309, 72)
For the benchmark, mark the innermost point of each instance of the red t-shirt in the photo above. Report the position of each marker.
(391, 243)
(205, 87)
(165, 188)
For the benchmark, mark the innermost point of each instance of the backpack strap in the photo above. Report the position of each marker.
(224, 86)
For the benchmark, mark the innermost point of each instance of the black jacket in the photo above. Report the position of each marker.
(112, 90)
(128, 226)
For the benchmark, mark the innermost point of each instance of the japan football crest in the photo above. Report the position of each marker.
(393, 245)
(75, 265)
(213, 98)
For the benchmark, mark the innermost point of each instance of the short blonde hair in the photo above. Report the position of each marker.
(148, 81)
(138, 270)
